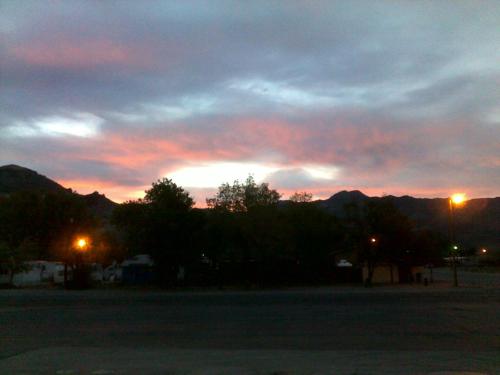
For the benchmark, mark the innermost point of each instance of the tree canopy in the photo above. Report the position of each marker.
(243, 236)
(162, 224)
(301, 197)
(167, 194)
(241, 197)
(45, 220)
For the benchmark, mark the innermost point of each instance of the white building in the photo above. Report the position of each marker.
(38, 272)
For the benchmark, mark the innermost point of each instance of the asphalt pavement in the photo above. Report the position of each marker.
(349, 330)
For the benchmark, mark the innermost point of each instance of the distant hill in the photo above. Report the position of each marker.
(336, 203)
(14, 178)
(99, 204)
(477, 223)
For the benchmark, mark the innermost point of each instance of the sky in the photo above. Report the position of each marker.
(387, 97)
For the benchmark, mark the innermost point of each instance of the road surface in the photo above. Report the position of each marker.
(351, 330)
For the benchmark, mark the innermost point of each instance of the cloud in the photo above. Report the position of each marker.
(212, 175)
(78, 125)
(320, 95)
(86, 54)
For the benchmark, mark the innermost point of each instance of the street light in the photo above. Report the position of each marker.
(455, 200)
(81, 244)
(458, 198)
(77, 248)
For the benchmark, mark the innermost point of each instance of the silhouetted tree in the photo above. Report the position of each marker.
(378, 233)
(12, 259)
(315, 236)
(167, 195)
(428, 247)
(45, 219)
(164, 225)
(301, 197)
(132, 219)
(240, 197)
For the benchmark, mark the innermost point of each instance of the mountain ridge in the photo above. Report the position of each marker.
(477, 222)
(14, 178)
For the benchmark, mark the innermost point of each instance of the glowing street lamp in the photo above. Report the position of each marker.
(81, 244)
(455, 200)
(78, 247)
(458, 199)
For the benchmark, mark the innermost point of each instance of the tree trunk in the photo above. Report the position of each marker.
(371, 271)
(11, 271)
(65, 274)
(11, 277)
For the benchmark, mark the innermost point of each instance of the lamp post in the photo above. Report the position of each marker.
(79, 247)
(454, 201)
(370, 260)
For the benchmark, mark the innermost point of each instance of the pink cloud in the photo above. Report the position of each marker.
(377, 159)
(63, 53)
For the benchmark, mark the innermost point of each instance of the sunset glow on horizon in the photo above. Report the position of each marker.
(308, 96)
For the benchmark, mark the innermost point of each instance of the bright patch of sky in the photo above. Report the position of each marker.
(372, 95)
(217, 173)
(167, 111)
(83, 125)
(212, 175)
(281, 92)
(321, 172)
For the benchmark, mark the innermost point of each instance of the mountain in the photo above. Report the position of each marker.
(336, 203)
(99, 204)
(14, 178)
(477, 222)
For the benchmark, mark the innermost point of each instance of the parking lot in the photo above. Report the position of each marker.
(347, 329)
